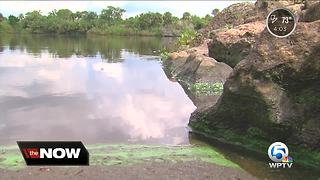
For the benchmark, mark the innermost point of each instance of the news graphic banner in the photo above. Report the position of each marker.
(56, 153)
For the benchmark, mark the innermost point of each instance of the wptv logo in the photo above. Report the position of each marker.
(278, 152)
(54, 152)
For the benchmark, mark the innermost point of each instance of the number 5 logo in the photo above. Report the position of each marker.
(277, 151)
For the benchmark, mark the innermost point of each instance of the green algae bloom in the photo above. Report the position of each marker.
(129, 154)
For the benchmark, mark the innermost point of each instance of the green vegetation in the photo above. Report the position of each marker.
(207, 88)
(10, 158)
(255, 141)
(215, 12)
(5, 27)
(164, 54)
(129, 154)
(104, 154)
(109, 21)
(187, 36)
(228, 26)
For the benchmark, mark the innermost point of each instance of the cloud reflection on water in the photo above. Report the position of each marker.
(84, 98)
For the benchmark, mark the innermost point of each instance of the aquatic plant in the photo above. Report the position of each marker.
(207, 88)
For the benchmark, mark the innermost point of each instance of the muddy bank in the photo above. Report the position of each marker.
(186, 170)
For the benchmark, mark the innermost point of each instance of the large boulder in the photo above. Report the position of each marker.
(275, 89)
(233, 45)
(236, 14)
(311, 13)
(246, 12)
(266, 6)
(193, 68)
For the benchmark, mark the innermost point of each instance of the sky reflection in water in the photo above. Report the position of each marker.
(43, 97)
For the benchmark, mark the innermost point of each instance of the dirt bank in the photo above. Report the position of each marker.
(183, 170)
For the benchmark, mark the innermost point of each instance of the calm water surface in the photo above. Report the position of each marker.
(94, 89)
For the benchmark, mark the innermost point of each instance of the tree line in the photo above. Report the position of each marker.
(109, 21)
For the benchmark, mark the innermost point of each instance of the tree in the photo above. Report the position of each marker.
(109, 21)
(198, 22)
(215, 12)
(89, 16)
(13, 20)
(61, 21)
(186, 16)
(65, 14)
(207, 18)
(167, 18)
(33, 21)
(87, 20)
(149, 20)
(77, 15)
(21, 16)
(52, 23)
(132, 22)
(157, 19)
(111, 15)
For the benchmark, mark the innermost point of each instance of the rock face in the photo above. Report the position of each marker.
(274, 89)
(243, 13)
(272, 94)
(236, 29)
(192, 67)
(236, 14)
(233, 45)
(312, 13)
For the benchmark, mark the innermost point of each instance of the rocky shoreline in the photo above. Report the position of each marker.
(270, 85)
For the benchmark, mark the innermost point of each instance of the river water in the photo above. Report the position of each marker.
(101, 89)
(94, 89)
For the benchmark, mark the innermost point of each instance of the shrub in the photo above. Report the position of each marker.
(187, 36)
